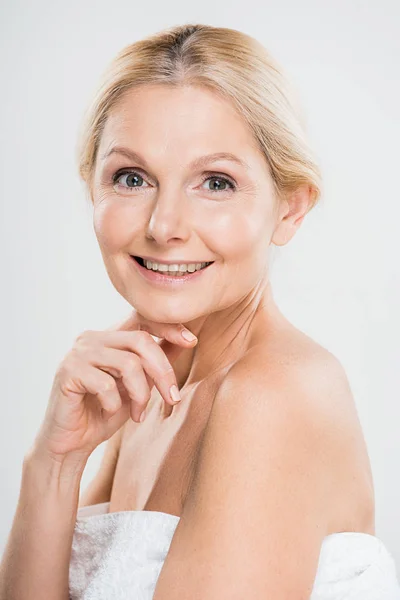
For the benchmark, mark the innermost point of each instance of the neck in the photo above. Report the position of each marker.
(225, 335)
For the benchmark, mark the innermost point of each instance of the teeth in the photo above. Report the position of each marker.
(175, 269)
(161, 268)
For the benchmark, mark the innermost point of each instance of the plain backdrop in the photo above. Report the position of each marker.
(338, 280)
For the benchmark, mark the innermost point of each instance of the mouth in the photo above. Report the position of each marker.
(170, 273)
(174, 269)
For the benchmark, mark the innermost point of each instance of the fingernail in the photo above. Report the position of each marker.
(175, 395)
(188, 335)
(142, 416)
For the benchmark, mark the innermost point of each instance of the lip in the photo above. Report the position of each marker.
(172, 262)
(172, 281)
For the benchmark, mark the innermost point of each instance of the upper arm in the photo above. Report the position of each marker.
(99, 489)
(257, 511)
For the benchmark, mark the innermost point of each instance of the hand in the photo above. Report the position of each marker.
(106, 378)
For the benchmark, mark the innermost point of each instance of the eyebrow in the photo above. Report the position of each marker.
(198, 163)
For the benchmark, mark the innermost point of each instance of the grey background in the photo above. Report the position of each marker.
(338, 279)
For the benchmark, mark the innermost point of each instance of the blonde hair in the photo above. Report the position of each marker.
(228, 62)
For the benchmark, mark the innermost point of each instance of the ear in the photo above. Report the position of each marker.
(291, 213)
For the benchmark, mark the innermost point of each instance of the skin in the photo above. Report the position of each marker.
(298, 392)
(172, 215)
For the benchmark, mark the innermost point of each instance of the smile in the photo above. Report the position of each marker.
(170, 273)
(173, 268)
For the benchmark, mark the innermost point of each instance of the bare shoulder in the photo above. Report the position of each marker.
(274, 470)
(292, 376)
(296, 380)
(288, 357)
(292, 358)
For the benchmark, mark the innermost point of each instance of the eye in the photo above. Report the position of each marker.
(133, 179)
(219, 181)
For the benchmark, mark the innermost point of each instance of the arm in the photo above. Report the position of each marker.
(35, 563)
(263, 494)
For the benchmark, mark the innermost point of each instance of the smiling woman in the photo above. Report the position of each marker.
(281, 488)
(251, 478)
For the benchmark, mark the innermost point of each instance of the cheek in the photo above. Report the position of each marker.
(238, 235)
(114, 226)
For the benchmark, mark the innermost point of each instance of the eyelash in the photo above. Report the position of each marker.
(208, 175)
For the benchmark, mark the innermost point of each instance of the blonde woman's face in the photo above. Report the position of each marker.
(159, 193)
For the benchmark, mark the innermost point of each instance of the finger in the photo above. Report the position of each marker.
(128, 366)
(98, 383)
(175, 333)
(172, 351)
(153, 358)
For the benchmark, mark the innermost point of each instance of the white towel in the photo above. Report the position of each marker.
(119, 556)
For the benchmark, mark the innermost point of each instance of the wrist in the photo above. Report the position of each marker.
(55, 468)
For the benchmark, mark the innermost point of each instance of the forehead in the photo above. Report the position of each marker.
(187, 120)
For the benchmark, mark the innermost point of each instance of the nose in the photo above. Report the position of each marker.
(169, 219)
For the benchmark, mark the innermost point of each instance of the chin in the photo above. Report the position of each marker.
(167, 311)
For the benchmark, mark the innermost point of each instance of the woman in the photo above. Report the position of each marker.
(236, 466)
